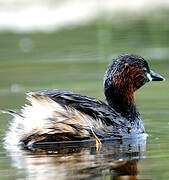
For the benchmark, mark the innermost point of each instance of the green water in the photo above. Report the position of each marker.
(75, 59)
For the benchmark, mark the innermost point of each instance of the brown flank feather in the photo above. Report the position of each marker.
(66, 123)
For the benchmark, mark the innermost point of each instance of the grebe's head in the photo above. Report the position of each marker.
(129, 72)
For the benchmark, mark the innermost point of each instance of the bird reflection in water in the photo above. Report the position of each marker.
(117, 159)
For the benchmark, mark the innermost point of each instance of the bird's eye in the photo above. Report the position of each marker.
(144, 69)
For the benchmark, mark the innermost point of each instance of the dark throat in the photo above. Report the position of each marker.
(122, 101)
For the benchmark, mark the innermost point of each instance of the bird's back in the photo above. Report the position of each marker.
(61, 116)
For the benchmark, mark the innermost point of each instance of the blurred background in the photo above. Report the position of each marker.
(68, 44)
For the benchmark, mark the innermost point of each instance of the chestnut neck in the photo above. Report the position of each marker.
(122, 101)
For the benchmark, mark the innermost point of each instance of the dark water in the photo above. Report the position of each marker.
(75, 59)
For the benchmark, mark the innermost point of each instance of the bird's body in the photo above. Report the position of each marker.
(55, 115)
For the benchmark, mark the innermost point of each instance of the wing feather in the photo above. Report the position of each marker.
(47, 120)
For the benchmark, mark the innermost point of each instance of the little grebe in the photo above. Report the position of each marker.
(55, 115)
